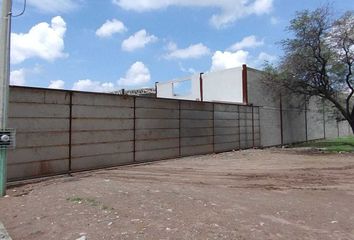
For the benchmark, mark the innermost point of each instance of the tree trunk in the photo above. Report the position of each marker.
(351, 123)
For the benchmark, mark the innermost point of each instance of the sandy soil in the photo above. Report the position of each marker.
(252, 194)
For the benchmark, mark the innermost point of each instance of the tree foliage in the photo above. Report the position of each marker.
(318, 59)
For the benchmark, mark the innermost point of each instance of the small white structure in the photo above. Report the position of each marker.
(229, 85)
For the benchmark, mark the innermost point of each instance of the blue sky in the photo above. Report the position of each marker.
(106, 45)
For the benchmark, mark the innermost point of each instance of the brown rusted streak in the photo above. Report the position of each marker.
(244, 84)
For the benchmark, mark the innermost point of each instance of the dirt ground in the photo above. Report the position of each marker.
(251, 194)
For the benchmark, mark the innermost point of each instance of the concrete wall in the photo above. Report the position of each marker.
(64, 131)
(167, 89)
(287, 119)
(102, 131)
(223, 86)
(41, 119)
(284, 119)
(156, 129)
(220, 86)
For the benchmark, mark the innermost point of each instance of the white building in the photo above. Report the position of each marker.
(229, 85)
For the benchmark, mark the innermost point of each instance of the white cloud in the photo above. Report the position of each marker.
(18, 77)
(224, 60)
(186, 70)
(274, 20)
(93, 86)
(262, 57)
(137, 74)
(230, 10)
(50, 6)
(138, 40)
(43, 40)
(193, 51)
(56, 84)
(110, 27)
(247, 42)
(262, 6)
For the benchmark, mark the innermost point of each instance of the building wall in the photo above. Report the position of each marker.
(101, 130)
(166, 89)
(41, 120)
(63, 131)
(287, 119)
(221, 86)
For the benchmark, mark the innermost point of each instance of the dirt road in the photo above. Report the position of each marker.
(252, 194)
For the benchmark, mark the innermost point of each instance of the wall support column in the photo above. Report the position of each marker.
(281, 120)
(4, 84)
(244, 84)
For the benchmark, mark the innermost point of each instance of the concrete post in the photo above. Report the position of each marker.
(4, 84)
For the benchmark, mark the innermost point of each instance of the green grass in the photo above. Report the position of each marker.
(342, 144)
(90, 201)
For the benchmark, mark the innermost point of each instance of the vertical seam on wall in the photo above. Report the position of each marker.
(306, 131)
(244, 84)
(259, 128)
(70, 128)
(281, 120)
(134, 129)
(179, 129)
(201, 86)
(324, 119)
(252, 126)
(213, 127)
(239, 128)
(156, 89)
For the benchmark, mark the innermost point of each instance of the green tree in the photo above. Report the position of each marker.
(318, 59)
